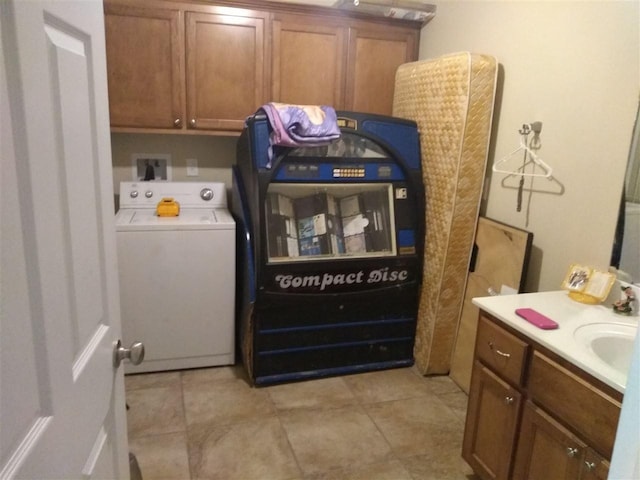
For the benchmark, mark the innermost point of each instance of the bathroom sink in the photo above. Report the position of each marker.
(612, 343)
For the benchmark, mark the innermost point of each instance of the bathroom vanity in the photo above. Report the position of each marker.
(545, 403)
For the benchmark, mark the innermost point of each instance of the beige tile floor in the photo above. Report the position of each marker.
(211, 424)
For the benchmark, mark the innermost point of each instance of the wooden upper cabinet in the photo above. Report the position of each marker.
(195, 67)
(309, 61)
(226, 79)
(144, 66)
(350, 65)
(374, 57)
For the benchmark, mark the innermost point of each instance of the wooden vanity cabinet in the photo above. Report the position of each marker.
(595, 467)
(548, 450)
(565, 421)
(586, 409)
(492, 423)
(495, 401)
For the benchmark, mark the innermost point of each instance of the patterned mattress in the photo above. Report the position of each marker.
(451, 98)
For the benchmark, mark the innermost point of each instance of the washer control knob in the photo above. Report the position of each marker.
(206, 194)
(148, 194)
(133, 194)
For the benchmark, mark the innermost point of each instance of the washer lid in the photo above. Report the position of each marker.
(189, 219)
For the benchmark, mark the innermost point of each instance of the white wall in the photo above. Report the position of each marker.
(574, 66)
(215, 155)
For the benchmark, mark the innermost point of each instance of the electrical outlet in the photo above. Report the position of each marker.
(192, 167)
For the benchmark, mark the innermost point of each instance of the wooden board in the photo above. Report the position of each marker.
(501, 255)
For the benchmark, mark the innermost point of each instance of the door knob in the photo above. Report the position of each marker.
(135, 354)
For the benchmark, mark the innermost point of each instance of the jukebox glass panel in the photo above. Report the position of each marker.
(349, 145)
(306, 222)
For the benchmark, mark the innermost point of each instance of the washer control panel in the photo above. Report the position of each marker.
(187, 194)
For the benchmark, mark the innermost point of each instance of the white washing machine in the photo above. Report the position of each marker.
(177, 275)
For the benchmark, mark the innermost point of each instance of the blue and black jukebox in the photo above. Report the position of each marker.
(330, 249)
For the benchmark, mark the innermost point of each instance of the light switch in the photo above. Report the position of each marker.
(192, 167)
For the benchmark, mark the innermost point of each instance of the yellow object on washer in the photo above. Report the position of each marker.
(168, 207)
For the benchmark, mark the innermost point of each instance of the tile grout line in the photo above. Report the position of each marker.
(286, 435)
(186, 427)
(363, 408)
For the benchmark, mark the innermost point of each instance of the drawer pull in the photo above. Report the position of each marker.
(508, 400)
(590, 465)
(502, 354)
(571, 452)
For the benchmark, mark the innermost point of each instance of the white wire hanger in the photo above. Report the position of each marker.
(529, 156)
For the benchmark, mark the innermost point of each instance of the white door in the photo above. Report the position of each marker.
(62, 409)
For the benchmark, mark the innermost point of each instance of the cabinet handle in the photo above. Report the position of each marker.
(589, 465)
(508, 400)
(177, 123)
(502, 354)
(192, 122)
(572, 452)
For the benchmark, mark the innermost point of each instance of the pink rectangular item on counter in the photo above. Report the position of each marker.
(536, 318)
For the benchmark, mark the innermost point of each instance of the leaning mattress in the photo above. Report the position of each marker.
(451, 98)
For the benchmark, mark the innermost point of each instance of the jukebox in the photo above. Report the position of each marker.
(330, 249)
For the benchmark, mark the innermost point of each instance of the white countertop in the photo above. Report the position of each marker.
(569, 315)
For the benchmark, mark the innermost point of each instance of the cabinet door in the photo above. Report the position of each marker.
(373, 58)
(599, 431)
(309, 61)
(594, 467)
(546, 449)
(225, 69)
(144, 66)
(492, 419)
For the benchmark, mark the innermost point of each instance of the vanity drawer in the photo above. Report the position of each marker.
(503, 352)
(587, 410)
